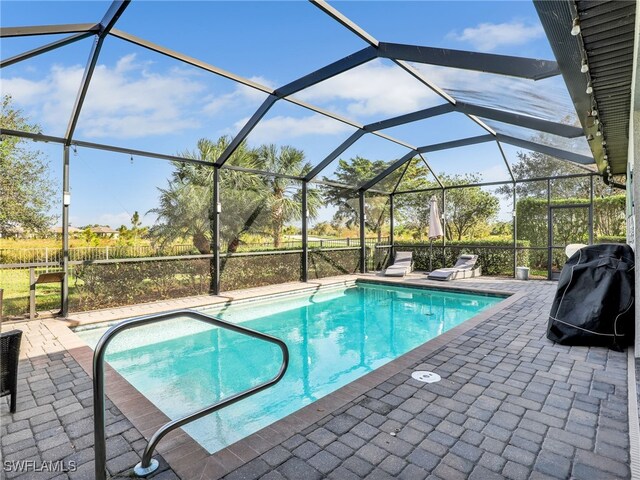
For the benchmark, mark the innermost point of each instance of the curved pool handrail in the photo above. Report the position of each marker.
(148, 464)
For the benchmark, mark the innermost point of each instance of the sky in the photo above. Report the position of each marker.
(140, 99)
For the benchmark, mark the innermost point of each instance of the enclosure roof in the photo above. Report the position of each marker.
(502, 117)
(605, 43)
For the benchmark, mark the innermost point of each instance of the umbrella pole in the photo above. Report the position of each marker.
(431, 256)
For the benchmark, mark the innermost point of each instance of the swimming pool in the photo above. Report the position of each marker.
(334, 336)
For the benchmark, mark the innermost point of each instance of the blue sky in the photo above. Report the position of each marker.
(143, 100)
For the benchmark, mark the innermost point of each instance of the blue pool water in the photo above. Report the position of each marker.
(334, 336)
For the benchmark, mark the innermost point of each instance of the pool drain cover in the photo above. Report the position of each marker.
(426, 377)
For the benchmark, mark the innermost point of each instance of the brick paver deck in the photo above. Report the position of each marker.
(511, 404)
(54, 418)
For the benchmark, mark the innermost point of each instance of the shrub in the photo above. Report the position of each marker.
(570, 226)
(250, 271)
(108, 285)
(495, 255)
(611, 239)
(329, 263)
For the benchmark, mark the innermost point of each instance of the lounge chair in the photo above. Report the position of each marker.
(9, 352)
(465, 267)
(402, 264)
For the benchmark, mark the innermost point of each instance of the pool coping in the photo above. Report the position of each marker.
(419, 283)
(190, 460)
(110, 315)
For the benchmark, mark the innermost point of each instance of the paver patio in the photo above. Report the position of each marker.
(511, 404)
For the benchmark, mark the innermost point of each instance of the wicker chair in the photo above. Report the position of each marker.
(9, 353)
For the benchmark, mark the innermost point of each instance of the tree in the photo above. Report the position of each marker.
(282, 195)
(186, 205)
(415, 211)
(323, 229)
(502, 228)
(26, 189)
(467, 209)
(183, 213)
(89, 236)
(251, 203)
(539, 165)
(135, 225)
(353, 172)
(609, 217)
(359, 170)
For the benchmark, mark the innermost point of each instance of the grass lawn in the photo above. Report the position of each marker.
(15, 283)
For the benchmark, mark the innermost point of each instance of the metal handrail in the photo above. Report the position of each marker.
(148, 464)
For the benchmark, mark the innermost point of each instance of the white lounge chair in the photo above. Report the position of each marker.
(465, 267)
(402, 264)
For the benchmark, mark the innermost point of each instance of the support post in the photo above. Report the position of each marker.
(391, 225)
(217, 210)
(66, 202)
(591, 210)
(32, 293)
(444, 227)
(363, 247)
(305, 233)
(515, 232)
(549, 231)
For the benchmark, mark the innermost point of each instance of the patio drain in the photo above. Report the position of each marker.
(426, 377)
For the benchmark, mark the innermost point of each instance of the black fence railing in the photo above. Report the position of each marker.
(12, 256)
(102, 282)
(113, 282)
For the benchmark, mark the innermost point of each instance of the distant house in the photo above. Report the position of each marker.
(73, 231)
(105, 231)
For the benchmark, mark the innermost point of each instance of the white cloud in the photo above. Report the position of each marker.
(241, 96)
(374, 88)
(489, 36)
(282, 127)
(127, 100)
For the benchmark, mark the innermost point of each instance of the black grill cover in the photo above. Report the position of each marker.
(594, 301)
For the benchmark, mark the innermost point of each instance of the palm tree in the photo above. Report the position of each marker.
(186, 205)
(183, 213)
(250, 202)
(283, 196)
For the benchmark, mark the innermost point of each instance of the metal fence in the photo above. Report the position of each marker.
(54, 255)
(102, 277)
(16, 256)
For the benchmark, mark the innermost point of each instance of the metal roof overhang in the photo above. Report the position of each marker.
(606, 43)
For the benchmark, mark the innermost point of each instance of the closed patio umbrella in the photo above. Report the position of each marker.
(435, 227)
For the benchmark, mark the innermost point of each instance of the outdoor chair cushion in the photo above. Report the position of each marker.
(466, 262)
(402, 264)
(465, 267)
(9, 353)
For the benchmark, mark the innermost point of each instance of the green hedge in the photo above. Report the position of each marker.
(95, 286)
(378, 258)
(570, 225)
(330, 263)
(259, 270)
(611, 239)
(109, 285)
(494, 261)
(106, 285)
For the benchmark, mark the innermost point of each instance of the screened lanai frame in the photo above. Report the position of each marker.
(401, 55)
